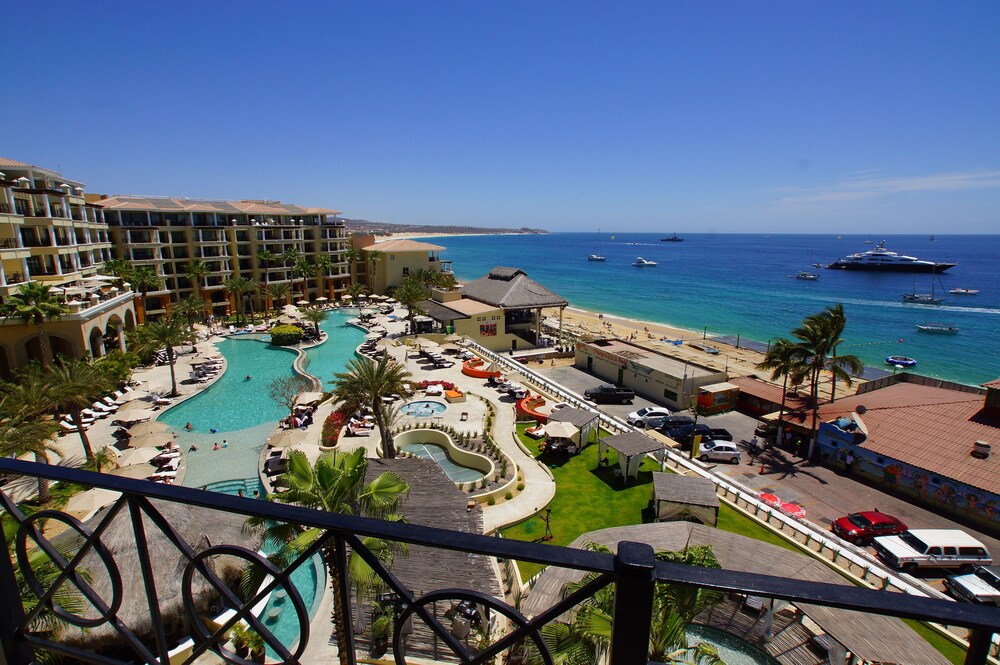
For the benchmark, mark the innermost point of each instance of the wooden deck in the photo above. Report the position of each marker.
(790, 642)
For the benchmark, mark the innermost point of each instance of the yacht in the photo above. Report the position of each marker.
(643, 263)
(597, 257)
(881, 259)
(805, 274)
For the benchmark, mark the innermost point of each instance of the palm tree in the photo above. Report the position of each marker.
(291, 256)
(75, 386)
(315, 316)
(784, 361)
(25, 402)
(168, 333)
(239, 287)
(34, 304)
(266, 257)
(335, 484)
(409, 293)
(191, 309)
(119, 268)
(197, 270)
(324, 264)
(144, 279)
(356, 291)
(586, 639)
(352, 255)
(278, 291)
(365, 383)
(374, 256)
(303, 270)
(445, 280)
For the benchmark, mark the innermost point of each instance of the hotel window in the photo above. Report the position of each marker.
(406, 271)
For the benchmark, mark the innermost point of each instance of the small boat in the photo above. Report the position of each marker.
(922, 298)
(643, 263)
(672, 238)
(937, 328)
(597, 257)
(817, 265)
(900, 361)
(964, 292)
(804, 274)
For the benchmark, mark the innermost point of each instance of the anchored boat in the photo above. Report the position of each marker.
(643, 263)
(900, 361)
(880, 259)
(938, 328)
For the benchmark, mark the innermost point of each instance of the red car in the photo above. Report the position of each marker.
(860, 528)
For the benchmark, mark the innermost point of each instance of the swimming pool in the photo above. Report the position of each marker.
(456, 472)
(327, 359)
(732, 650)
(423, 409)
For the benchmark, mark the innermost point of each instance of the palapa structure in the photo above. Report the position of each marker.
(631, 447)
(677, 497)
(583, 419)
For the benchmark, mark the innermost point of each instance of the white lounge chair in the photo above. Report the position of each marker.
(163, 475)
(101, 406)
(66, 426)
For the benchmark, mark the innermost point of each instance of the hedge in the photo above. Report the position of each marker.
(286, 335)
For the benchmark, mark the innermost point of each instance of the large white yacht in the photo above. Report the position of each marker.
(881, 259)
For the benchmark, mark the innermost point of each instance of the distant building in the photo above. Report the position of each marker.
(50, 234)
(928, 439)
(396, 260)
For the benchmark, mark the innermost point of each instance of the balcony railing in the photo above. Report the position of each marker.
(633, 572)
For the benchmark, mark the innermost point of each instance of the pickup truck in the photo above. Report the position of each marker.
(608, 394)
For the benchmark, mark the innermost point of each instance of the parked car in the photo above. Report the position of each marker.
(932, 548)
(639, 418)
(608, 394)
(860, 528)
(980, 586)
(719, 451)
(670, 422)
(685, 433)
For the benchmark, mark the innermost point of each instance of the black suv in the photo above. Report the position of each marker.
(670, 422)
(608, 394)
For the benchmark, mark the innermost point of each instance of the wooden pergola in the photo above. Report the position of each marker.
(677, 498)
(631, 448)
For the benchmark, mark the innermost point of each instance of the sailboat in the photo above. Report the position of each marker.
(922, 298)
(597, 256)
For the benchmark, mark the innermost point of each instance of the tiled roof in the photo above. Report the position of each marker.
(995, 383)
(470, 307)
(511, 288)
(768, 391)
(6, 161)
(403, 246)
(927, 427)
(167, 204)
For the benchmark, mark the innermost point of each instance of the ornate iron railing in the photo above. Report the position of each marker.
(632, 571)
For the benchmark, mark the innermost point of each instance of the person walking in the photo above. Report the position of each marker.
(849, 463)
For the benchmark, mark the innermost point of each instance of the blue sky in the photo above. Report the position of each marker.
(660, 116)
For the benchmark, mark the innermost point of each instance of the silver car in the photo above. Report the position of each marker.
(719, 451)
(640, 418)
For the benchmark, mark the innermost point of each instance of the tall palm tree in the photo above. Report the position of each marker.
(445, 280)
(356, 291)
(239, 287)
(324, 265)
(34, 304)
(783, 360)
(291, 256)
(278, 291)
(266, 257)
(315, 316)
(75, 386)
(374, 256)
(335, 484)
(144, 279)
(168, 333)
(353, 255)
(119, 268)
(365, 383)
(197, 270)
(409, 293)
(191, 309)
(304, 269)
(586, 639)
(26, 401)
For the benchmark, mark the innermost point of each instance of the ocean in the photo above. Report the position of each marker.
(743, 284)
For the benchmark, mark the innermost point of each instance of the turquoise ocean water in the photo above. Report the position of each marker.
(743, 284)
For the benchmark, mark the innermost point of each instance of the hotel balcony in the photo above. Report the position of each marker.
(157, 562)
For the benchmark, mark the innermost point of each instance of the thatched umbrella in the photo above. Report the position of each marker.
(136, 456)
(136, 471)
(200, 528)
(130, 396)
(287, 438)
(135, 415)
(153, 427)
(92, 499)
(154, 440)
(133, 405)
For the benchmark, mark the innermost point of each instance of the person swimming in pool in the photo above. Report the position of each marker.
(189, 427)
(247, 377)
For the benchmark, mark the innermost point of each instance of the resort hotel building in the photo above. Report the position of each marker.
(384, 265)
(50, 234)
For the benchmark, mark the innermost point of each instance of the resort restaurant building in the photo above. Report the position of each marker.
(649, 373)
(928, 439)
(49, 234)
(394, 261)
(265, 241)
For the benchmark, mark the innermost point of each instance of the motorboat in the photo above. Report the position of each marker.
(672, 238)
(597, 257)
(805, 274)
(964, 292)
(880, 259)
(922, 298)
(938, 328)
(643, 263)
(900, 361)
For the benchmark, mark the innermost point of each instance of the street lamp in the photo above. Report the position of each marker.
(548, 528)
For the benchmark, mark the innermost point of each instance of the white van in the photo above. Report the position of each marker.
(932, 548)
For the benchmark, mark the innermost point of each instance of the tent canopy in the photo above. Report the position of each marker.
(561, 430)
(631, 448)
(678, 497)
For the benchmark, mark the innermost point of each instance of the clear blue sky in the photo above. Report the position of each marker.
(852, 116)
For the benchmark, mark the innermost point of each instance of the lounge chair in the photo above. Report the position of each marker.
(94, 415)
(103, 408)
(163, 475)
(66, 426)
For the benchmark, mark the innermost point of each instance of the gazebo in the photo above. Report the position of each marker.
(631, 447)
(586, 421)
(677, 498)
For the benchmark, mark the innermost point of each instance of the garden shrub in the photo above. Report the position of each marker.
(286, 335)
(331, 428)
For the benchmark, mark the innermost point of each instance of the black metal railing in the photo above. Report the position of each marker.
(633, 572)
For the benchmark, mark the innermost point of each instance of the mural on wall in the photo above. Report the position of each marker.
(488, 330)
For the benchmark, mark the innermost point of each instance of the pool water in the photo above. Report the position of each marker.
(733, 650)
(327, 359)
(423, 409)
(456, 472)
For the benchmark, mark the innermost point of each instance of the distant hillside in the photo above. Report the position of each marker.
(385, 228)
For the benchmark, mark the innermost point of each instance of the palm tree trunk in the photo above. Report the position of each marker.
(388, 446)
(781, 411)
(44, 495)
(341, 622)
(173, 377)
(88, 451)
(44, 348)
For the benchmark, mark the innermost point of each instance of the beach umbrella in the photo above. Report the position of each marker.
(91, 500)
(312, 397)
(302, 302)
(347, 297)
(133, 405)
(287, 438)
(322, 299)
(142, 429)
(133, 415)
(151, 440)
(134, 471)
(132, 396)
(373, 336)
(453, 338)
(561, 430)
(136, 456)
(493, 369)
